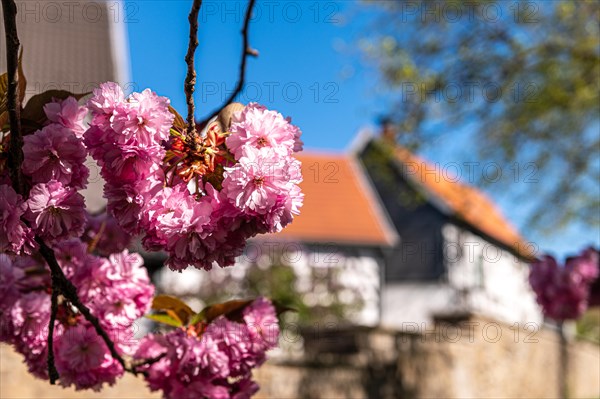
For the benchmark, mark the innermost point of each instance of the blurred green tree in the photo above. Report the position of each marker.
(525, 75)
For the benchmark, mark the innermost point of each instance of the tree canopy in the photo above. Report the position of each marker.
(525, 75)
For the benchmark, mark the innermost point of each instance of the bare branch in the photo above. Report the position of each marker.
(52, 372)
(190, 79)
(246, 52)
(66, 288)
(15, 151)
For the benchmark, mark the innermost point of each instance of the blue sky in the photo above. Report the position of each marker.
(309, 67)
(301, 70)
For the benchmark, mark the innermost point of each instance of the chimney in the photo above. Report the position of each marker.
(388, 130)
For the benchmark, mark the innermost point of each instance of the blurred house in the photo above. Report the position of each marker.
(414, 243)
(441, 247)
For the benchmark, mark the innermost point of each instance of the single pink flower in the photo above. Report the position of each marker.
(55, 211)
(14, 235)
(83, 360)
(55, 153)
(144, 120)
(257, 127)
(107, 98)
(67, 113)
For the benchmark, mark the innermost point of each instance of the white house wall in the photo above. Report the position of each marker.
(407, 306)
(481, 278)
(490, 281)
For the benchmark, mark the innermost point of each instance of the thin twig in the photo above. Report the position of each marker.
(246, 51)
(52, 372)
(69, 291)
(190, 79)
(15, 150)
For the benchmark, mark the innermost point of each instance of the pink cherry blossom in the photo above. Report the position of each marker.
(261, 319)
(127, 200)
(83, 360)
(257, 127)
(14, 235)
(216, 364)
(9, 278)
(563, 290)
(106, 99)
(30, 316)
(67, 113)
(55, 153)
(264, 185)
(143, 120)
(119, 289)
(55, 211)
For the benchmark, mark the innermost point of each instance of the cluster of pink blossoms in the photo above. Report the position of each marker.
(216, 363)
(563, 290)
(116, 289)
(199, 199)
(54, 164)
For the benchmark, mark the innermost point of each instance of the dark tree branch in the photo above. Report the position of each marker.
(66, 288)
(15, 151)
(190, 79)
(60, 283)
(52, 372)
(246, 51)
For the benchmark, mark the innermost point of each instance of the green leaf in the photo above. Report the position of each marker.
(168, 304)
(165, 318)
(34, 110)
(197, 318)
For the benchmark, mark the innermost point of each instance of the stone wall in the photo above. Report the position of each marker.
(476, 358)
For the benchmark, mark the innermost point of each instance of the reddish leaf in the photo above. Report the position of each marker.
(178, 122)
(230, 309)
(4, 127)
(34, 110)
(168, 304)
(4, 94)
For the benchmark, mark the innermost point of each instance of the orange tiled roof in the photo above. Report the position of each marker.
(339, 204)
(465, 202)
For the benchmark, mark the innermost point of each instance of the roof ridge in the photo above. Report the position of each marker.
(460, 200)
